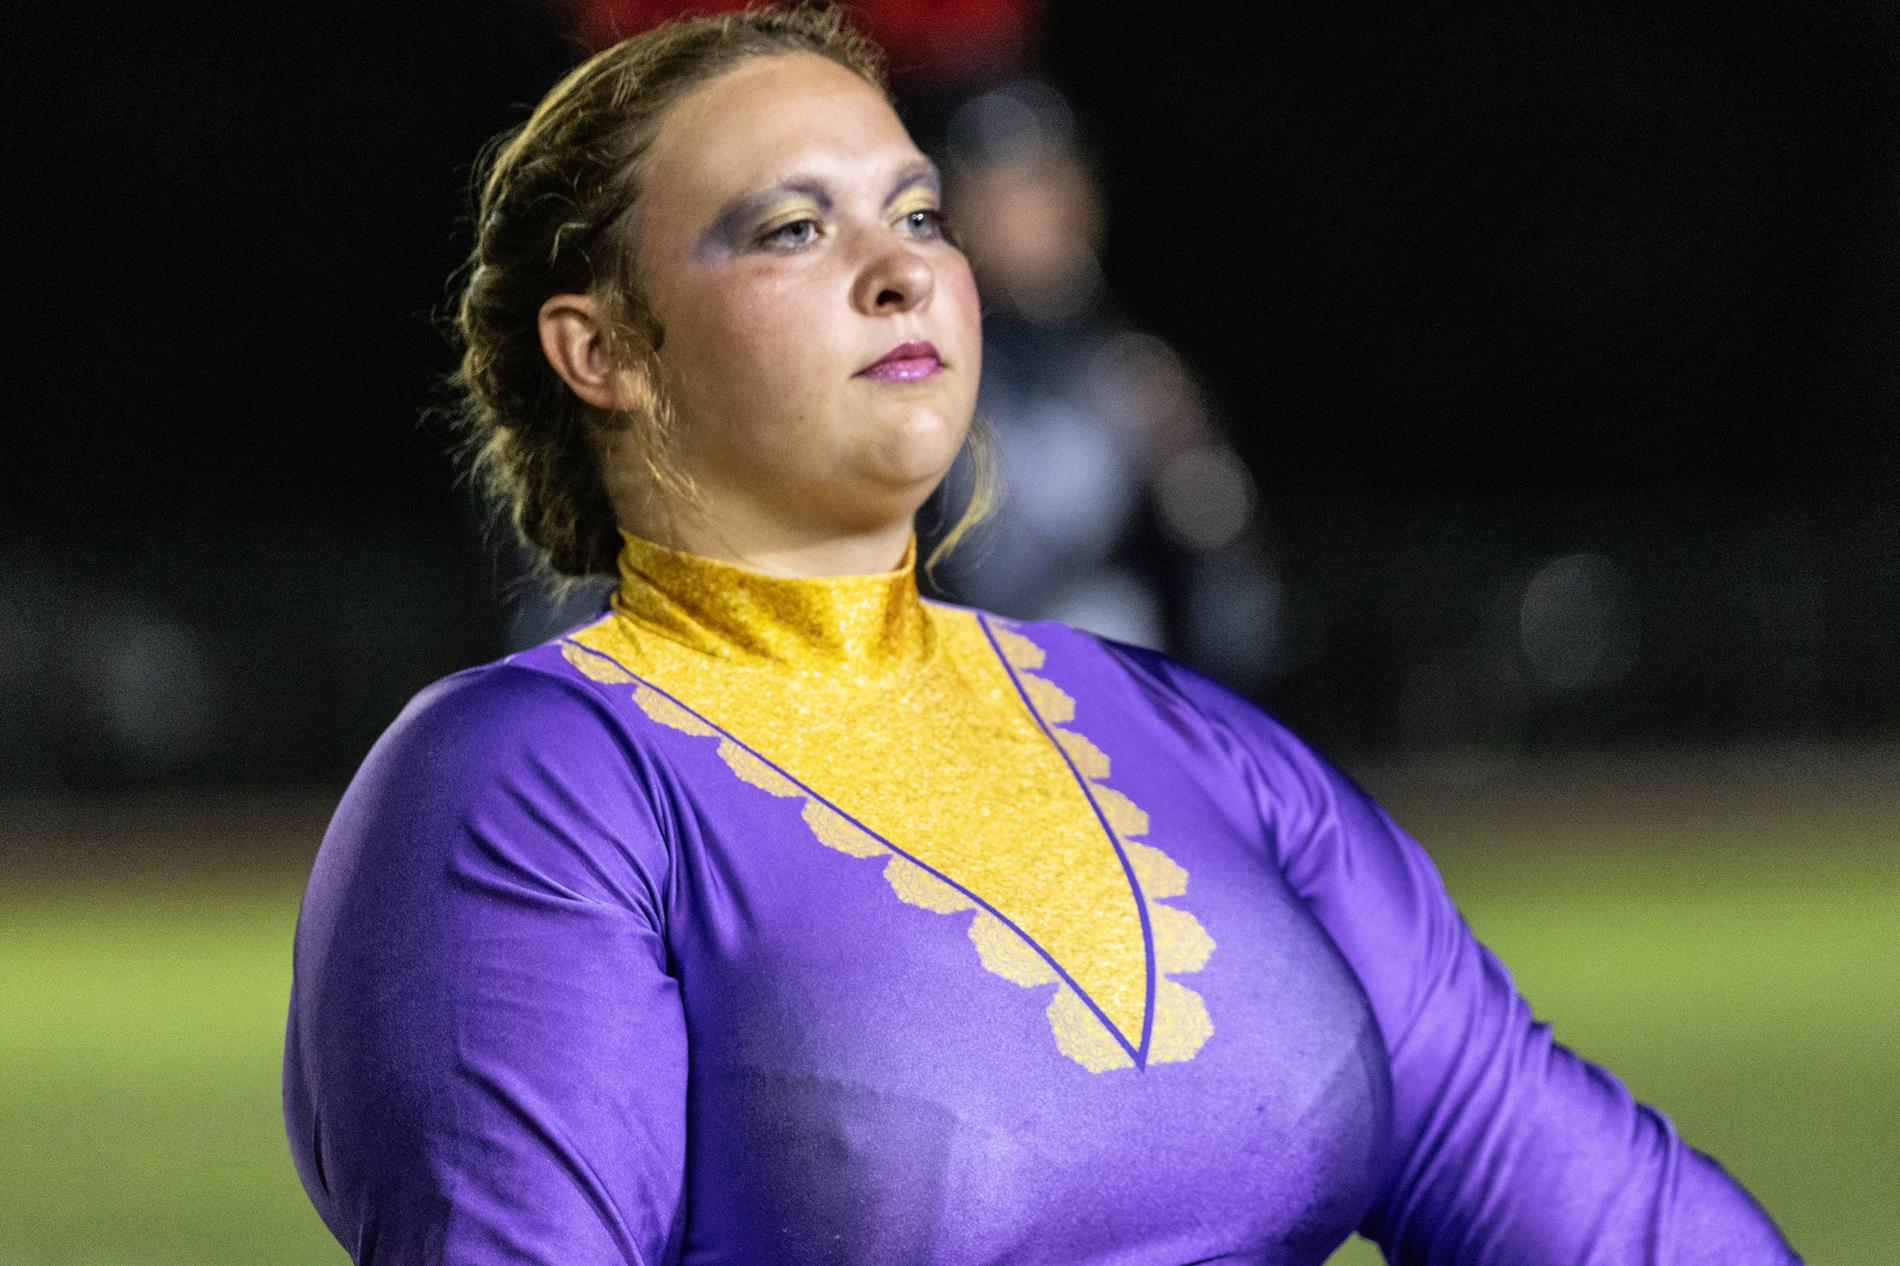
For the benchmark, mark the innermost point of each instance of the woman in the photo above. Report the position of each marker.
(779, 916)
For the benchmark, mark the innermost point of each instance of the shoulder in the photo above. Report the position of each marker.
(519, 762)
(1239, 734)
(1160, 671)
(1164, 680)
(528, 706)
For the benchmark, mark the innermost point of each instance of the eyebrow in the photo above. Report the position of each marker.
(922, 172)
(733, 225)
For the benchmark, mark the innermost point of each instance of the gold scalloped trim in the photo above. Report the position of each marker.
(1181, 1025)
(912, 883)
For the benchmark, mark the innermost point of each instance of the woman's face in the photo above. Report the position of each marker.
(821, 336)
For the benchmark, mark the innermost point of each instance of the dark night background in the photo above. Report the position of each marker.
(1473, 286)
(1562, 342)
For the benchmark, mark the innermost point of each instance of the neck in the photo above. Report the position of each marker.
(780, 550)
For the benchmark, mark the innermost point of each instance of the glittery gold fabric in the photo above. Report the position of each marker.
(905, 731)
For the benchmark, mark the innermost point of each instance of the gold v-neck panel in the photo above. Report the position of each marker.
(901, 715)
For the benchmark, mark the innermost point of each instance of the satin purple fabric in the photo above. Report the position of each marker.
(567, 992)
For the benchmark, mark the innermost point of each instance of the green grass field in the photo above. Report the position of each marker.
(1742, 973)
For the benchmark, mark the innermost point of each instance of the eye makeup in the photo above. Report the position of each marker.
(921, 176)
(733, 231)
(741, 221)
(917, 199)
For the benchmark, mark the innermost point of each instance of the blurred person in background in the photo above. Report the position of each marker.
(1123, 510)
(780, 915)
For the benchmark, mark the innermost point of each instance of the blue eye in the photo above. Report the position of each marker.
(928, 222)
(797, 233)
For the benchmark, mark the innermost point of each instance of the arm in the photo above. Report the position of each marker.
(1507, 1149)
(486, 1060)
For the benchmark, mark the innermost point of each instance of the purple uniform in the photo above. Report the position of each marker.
(804, 921)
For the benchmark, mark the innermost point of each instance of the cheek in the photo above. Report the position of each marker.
(755, 339)
(960, 287)
(960, 284)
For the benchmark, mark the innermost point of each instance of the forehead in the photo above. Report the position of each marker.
(768, 118)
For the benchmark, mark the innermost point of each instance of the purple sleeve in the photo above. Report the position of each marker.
(486, 1059)
(1507, 1149)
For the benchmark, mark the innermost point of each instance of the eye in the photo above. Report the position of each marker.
(795, 234)
(929, 223)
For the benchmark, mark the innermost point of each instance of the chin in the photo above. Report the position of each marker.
(922, 448)
(895, 487)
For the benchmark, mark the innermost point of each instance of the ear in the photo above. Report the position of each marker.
(574, 339)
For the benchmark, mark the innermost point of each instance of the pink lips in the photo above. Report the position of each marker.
(906, 362)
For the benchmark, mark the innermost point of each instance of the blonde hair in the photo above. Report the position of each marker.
(552, 217)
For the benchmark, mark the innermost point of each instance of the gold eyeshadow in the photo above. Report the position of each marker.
(788, 213)
(919, 199)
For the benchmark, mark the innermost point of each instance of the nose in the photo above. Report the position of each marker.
(895, 278)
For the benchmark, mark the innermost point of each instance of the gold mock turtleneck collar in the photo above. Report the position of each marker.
(820, 624)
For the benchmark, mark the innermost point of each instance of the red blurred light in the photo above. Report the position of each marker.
(926, 39)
